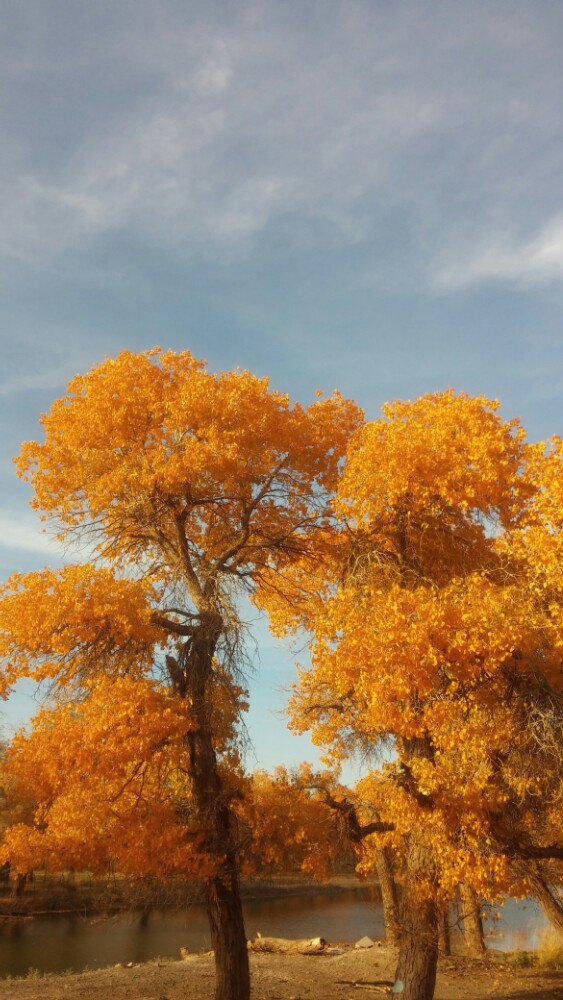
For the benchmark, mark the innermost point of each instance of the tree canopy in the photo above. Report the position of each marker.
(185, 487)
(435, 618)
(421, 552)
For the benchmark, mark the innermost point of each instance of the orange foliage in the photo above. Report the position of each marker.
(435, 616)
(73, 623)
(186, 486)
(109, 777)
(291, 827)
(144, 437)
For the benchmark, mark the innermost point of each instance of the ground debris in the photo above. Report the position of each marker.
(288, 946)
(365, 942)
(381, 986)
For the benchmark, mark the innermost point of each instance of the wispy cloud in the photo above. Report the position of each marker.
(23, 532)
(531, 261)
(206, 128)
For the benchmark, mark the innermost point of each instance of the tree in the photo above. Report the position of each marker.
(435, 618)
(291, 828)
(360, 823)
(17, 805)
(188, 488)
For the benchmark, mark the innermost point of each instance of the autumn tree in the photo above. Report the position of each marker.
(358, 819)
(187, 488)
(17, 805)
(291, 827)
(435, 622)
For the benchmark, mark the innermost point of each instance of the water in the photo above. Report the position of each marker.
(516, 926)
(58, 943)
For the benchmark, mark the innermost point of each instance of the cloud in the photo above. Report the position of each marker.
(531, 262)
(236, 139)
(205, 129)
(23, 533)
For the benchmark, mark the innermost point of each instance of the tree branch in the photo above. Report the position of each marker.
(552, 852)
(193, 584)
(248, 511)
(356, 831)
(170, 626)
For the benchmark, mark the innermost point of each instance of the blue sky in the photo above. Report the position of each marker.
(365, 195)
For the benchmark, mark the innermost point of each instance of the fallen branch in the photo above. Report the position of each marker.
(286, 946)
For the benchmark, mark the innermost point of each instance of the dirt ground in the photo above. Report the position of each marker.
(352, 975)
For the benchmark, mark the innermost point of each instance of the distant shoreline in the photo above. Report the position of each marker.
(96, 899)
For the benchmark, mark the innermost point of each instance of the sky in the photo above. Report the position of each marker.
(361, 195)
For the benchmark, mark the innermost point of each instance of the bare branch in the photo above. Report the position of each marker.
(248, 510)
(171, 626)
(552, 852)
(356, 831)
(193, 584)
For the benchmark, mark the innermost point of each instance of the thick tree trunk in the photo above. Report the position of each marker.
(444, 937)
(415, 978)
(389, 895)
(224, 908)
(472, 922)
(550, 905)
(228, 938)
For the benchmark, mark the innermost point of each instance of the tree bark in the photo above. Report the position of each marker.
(550, 905)
(444, 937)
(472, 922)
(228, 937)
(415, 978)
(19, 883)
(222, 889)
(389, 895)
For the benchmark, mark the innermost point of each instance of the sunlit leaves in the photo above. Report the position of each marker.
(435, 619)
(108, 775)
(290, 825)
(185, 486)
(74, 623)
(145, 437)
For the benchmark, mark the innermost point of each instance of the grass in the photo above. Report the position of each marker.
(548, 954)
(550, 951)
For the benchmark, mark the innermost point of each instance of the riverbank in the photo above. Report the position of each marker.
(84, 896)
(351, 974)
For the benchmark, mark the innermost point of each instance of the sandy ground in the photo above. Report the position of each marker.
(353, 975)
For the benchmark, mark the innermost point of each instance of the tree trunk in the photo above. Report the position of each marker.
(389, 895)
(223, 902)
(415, 978)
(19, 884)
(472, 922)
(550, 905)
(228, 938)
(444, 937)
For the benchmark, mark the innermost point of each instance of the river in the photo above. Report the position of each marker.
(62, 942)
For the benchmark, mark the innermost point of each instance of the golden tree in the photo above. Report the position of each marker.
(291, 827)
(188, 487)
(435, 617)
